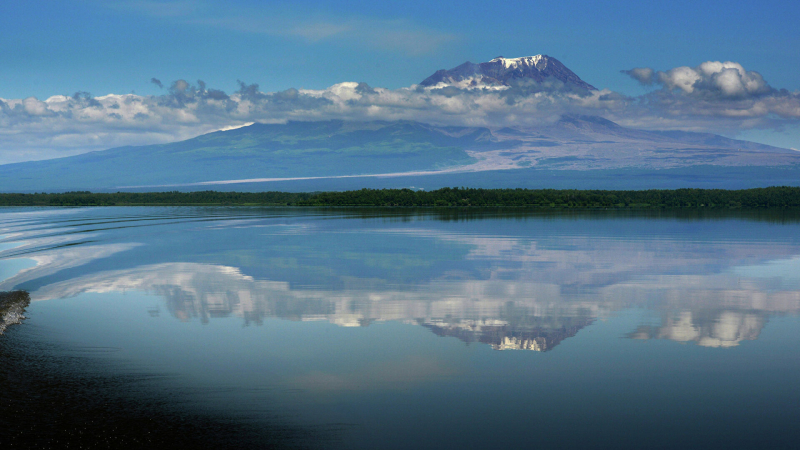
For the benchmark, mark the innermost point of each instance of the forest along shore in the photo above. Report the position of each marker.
(771, 197)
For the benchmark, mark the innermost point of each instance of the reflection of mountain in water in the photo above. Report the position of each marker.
(712, 310)
(527, 283)
(541, 335)
(504, 314)
(473, 311)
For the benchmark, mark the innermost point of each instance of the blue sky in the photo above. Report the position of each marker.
(60, 48)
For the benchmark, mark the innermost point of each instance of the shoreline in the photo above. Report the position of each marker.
(755, 198)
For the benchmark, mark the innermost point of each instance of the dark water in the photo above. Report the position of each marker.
(265, 328)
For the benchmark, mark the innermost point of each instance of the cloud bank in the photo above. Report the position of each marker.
(714, 96)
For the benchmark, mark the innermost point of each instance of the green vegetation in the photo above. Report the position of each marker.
(772, 197)
(568, 198)
(296, 149)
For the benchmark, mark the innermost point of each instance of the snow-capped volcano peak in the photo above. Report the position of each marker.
(511, 63)
(500, 73)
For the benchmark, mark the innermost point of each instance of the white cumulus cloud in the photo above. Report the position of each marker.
(714, 96)
(727, 79)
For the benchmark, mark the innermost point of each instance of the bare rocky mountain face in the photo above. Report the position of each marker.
(579, 142)
(501, 72)
(588, 142)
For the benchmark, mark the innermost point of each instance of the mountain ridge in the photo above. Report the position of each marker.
(502, 72)
(335, 149)
(405, 149)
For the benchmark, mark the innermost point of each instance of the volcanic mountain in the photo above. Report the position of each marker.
(582, 151)
(501, 72)
(572, 151)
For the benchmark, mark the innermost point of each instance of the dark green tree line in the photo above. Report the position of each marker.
(771, 197)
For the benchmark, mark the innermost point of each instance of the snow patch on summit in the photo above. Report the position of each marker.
(501, 73)
(510, 63)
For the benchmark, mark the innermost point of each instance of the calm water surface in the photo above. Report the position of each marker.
(259, 327)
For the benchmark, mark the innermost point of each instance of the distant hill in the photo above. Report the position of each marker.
(575, 151)
(295, 149)
(566, 154)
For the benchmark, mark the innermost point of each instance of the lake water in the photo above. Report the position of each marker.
(304, 328)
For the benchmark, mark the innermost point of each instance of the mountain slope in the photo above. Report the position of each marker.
(502, 72)
(575, 146)
(295, 149)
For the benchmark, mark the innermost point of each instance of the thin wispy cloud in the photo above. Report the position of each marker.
(395, 35)
(169, 8)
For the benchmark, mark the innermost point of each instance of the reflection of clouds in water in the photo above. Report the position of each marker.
(591, 261)
(718, 329)
(22, 243)
(224, 290)
(787, 270)
(472, 310)
(23, 214)
(508, 291)
(51, 246)
(51, 261)
(680, 292)
(715, 310)
(28, 223)
(711, 310)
